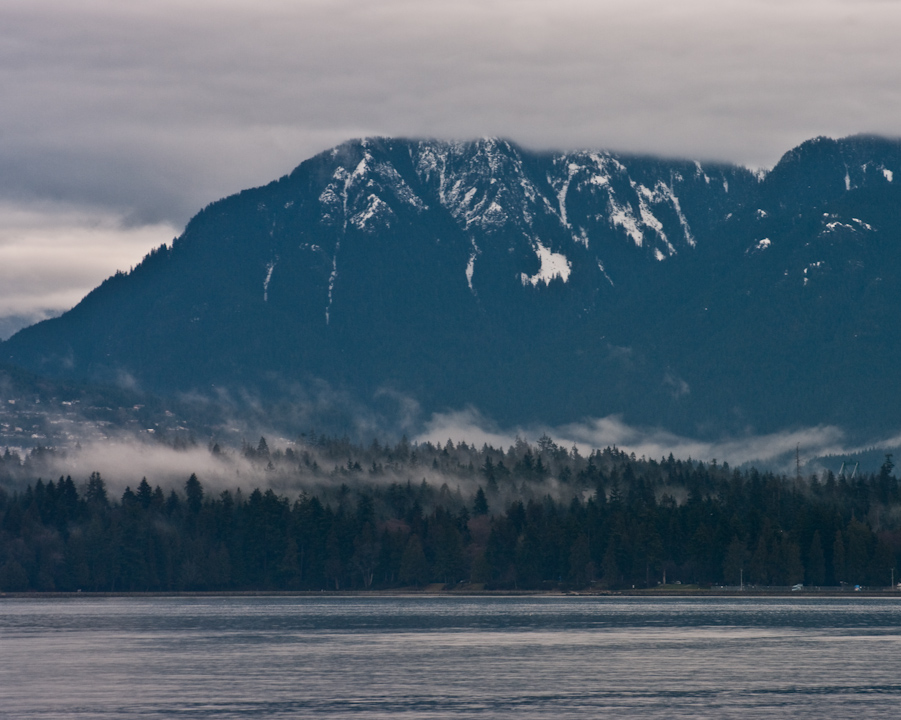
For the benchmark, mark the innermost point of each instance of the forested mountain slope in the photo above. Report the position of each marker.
(534, 287)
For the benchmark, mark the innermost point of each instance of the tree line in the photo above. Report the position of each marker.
(530, 517)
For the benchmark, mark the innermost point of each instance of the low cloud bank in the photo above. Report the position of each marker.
(169, 456)
(774, 450)
(123, 462)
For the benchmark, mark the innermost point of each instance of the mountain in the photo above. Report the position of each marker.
(416, 277)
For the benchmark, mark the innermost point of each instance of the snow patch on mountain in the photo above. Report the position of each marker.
(700, 171)
(604, 273)
(647, 217)
(483, 185)
(270, 266)
(482, 212)
(331, 282)
(571, 169)
(856, 225)
(645, 197)
(494, 215)
(431, 159)
(471, 265)
(576, 173)
(600, 172)
(358, 196)
(810, 269)
(553, 265)
(621, 216)
(391, 178)
(331, 202)
(486, 187)
(334, 198)
(375, 215)
(889, 175)
(830, 227)
(664, 193)
(363, 166)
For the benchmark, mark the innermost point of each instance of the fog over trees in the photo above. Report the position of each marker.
(342, 516)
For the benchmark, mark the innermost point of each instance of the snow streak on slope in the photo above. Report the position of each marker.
(571, 168)
(629, 204)
(621, 216)
(363, 197)
(604, 273)
(269, 268)
(471, 265)
(331, 282)
(599, 202)
(649, 220)
(470, 269)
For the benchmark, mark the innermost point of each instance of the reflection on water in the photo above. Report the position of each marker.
(235, 657)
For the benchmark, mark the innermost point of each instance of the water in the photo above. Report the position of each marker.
(442, 657)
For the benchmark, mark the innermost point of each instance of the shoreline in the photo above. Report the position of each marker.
(630, 593)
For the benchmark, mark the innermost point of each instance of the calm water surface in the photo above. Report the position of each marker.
(450, 657)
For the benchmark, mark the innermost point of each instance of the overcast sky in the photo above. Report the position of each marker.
(119, 120)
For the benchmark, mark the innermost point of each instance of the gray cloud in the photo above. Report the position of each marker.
(51, 256)
(159, 108)
(147, 111)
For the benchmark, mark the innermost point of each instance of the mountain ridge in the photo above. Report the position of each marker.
(532, 286)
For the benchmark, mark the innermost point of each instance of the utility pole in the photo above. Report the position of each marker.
(798, 461)
(741, 579)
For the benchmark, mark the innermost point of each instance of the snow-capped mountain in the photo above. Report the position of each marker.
(531, 286)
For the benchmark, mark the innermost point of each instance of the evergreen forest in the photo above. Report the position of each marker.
(328, 514)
